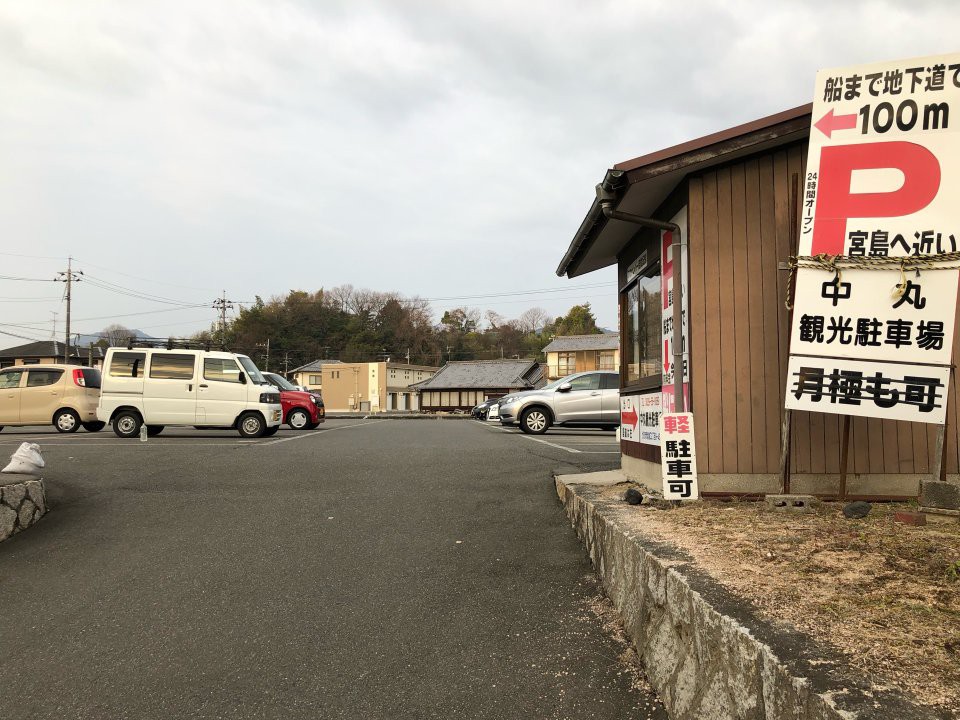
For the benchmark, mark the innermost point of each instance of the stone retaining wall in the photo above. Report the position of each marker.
(23, 501)
(705, 652)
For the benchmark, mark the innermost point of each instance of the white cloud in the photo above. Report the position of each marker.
(428, 147)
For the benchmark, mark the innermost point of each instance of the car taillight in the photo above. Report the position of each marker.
(78, 378)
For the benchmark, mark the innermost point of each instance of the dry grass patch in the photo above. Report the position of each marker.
(885, 595)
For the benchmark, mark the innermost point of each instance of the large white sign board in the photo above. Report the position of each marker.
(882, 181)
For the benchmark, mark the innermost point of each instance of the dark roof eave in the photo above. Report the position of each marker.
(787, 126)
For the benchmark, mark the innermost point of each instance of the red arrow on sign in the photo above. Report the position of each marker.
(666, 355)
(629, 417)
(830, 122)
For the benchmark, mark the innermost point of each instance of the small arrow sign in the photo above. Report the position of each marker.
(666, 355)
(830, 122)
(629, 417)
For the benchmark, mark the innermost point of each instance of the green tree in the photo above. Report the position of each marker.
(578, 321)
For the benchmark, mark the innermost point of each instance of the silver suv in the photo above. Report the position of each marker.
(590, 399)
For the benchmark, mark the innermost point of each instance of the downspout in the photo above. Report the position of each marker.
(607, 200)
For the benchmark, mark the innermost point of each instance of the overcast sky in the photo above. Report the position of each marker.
(438, 149)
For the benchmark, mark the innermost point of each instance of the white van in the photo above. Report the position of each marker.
(157, 387)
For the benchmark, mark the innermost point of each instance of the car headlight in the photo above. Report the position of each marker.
(508, 400)
(270, 398)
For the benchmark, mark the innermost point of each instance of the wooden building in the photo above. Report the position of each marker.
(739, 192)
(567, 354)
(461, 385)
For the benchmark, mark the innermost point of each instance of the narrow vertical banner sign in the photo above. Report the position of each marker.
(678, 457)
(877, 278)
(670, 336)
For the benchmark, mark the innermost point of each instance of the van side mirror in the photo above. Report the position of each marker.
(243, 379)
(566, 387)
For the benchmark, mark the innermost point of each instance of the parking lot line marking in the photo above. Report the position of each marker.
(318, 432)
(544, 442)
(125, 443)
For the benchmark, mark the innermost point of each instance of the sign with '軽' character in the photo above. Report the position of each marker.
(876, 278)
(678, 457)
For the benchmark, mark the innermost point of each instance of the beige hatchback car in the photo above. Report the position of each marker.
(63, 395)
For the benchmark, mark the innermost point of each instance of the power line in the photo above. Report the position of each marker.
(120, 289)
(26, 279)
(150, 280)
(110, 317)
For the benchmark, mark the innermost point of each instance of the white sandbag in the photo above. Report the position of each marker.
(28, 460)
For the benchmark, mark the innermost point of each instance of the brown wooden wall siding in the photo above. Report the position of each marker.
(740, 229)
(640, 451)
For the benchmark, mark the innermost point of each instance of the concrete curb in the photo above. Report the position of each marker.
(705, 651)
(23, 501)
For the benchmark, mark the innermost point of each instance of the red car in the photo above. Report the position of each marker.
(301, 410)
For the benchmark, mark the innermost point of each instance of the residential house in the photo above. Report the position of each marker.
(372, 386)
(310, 375)
(50, 351)
(463, 384)
(568, 354)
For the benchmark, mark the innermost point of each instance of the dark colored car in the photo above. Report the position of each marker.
(301, 410)
(481, 411)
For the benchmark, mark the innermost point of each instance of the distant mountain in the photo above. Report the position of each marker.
(86, 340)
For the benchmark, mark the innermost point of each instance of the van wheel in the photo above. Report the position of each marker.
(154, 430)
(66, 421)
(127, 424)
(251, 425)
(95, 426)
(298, 419)
(534, 421)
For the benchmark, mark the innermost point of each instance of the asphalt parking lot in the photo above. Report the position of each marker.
(370, 568)
(576, 441)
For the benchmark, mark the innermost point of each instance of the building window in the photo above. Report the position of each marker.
(566, 363)
(607, 359)
(314, 380)
(641, 313)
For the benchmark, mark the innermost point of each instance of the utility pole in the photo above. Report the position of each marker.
(408, 356)
(221, 305)
(286, 362)
(266, 362)
(69, 277)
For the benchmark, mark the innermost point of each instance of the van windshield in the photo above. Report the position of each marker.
(252, 371)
